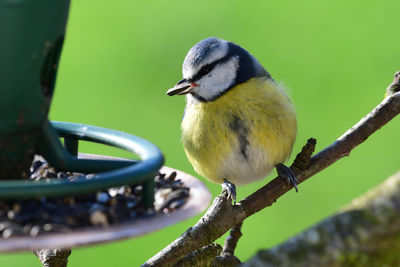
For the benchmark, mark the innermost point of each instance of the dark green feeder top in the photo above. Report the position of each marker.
(31, 33)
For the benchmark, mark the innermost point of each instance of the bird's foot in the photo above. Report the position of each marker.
(230, 190)
(287, 174)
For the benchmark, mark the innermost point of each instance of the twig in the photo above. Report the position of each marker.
(221, 216)
(232, 239)
(365, 233)
(395, 85)
(53, 257)
(227, 257)
(303, 159)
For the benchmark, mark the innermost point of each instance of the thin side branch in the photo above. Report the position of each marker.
(57, 257)
(227, 257)
(221, 216)
(232, 239)
(395, 85)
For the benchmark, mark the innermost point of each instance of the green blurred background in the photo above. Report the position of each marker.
(335, 57)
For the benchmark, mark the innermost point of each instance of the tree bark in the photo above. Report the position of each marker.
(202, 257)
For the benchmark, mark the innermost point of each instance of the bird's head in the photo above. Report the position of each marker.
(213, 66)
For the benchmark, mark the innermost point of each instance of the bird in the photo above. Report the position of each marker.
(238, 123)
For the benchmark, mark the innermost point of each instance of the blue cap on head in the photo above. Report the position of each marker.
(201, 50)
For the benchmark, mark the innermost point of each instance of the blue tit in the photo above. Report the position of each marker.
(238, 123)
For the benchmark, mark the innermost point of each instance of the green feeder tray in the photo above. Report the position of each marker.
(197, 202)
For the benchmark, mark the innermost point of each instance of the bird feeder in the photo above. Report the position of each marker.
(32, 33)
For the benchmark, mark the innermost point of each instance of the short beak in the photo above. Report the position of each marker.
(183, 87)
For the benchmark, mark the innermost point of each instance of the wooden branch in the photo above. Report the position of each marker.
(227, 257)
(57, 257)
(395, 85)
(201, 257)
(365, 233)
(232, 239)
(221, 216)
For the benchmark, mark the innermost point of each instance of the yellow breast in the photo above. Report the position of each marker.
(241, 135)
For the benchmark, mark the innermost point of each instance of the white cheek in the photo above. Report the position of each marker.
(219, 80)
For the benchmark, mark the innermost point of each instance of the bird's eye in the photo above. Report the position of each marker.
(205, 70)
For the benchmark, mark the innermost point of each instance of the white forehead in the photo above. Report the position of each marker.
(203, 53)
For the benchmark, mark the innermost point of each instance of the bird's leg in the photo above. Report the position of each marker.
(287, 174)
(229, 189)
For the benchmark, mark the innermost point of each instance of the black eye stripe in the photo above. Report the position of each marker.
(209, 67)
(205, 70)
